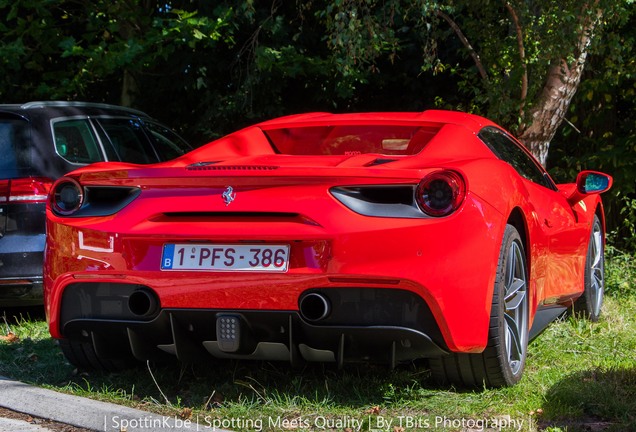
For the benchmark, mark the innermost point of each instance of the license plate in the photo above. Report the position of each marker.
(225, 257)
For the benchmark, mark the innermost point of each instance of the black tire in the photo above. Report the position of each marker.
(502, 362)
(83, 356)
(591, 301)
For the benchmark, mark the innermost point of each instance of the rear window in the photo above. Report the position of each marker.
(350, 140)
(85, 141)
(169, 145)
(75, 141)
(15, 151)
(126, 141)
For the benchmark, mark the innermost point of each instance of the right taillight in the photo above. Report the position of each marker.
(440, 193)
(66, 197)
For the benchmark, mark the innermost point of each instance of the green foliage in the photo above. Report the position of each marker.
(359, 34)
(620, 271)
(601, 129)
(506, 40)
(208, 68)
(623, 236)
(57, 49)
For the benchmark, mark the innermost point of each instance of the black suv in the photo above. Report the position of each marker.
(41, 141)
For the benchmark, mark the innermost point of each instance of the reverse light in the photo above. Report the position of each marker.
(67, 197)
(440, 193)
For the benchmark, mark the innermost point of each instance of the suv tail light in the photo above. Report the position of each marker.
(440, 193)
(26, 190)
(4, 191)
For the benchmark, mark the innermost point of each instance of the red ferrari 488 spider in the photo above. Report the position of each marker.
(326, 237)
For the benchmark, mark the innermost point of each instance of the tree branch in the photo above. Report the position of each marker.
(465, 42)
(522, 55)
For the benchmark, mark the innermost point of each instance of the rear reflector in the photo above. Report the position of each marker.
(28, 190)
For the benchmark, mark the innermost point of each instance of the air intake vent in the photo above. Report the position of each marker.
(379, 161)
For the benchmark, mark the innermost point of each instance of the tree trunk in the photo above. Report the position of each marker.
(561, 85)
(129, 89)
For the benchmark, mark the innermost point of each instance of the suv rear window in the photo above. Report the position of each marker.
(76, 142)
(351, 140)
(14, 148)
(126, 141)
(96, 139)
(168, 144)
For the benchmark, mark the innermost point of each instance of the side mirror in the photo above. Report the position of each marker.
(590, 182)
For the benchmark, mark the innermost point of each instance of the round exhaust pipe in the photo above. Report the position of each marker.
(143, 303)
(314, 307)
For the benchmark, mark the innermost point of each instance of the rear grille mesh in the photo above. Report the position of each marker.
(206, 217)
(233, 215)
(231, 167)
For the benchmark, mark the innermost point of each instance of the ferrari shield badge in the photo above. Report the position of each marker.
(229, 195)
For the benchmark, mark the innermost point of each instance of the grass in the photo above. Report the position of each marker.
(580, 376)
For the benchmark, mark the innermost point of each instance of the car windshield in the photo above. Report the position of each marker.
(350, 140)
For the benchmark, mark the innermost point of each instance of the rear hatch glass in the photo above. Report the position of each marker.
(15, 148)
(15, 159)
(351, 140)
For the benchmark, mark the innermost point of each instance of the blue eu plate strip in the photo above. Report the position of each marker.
(167, 258)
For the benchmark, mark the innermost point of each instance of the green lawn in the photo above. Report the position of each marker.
(580, 376)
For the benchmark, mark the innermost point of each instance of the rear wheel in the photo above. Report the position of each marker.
(83, 355)
(503, 360)
(591, 301)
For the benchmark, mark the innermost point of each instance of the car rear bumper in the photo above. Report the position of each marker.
(363, 324)
(21, 292)
(21, 259)
(448, 263)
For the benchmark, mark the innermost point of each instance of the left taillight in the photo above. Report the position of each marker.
(66, 197)
(27, 190)
(440, 193)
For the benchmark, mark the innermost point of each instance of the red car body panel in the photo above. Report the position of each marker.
(450, 262)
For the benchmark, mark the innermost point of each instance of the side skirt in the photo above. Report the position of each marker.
(544, 316)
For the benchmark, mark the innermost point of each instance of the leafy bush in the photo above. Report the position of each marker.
(628, 229)
(620, 271)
